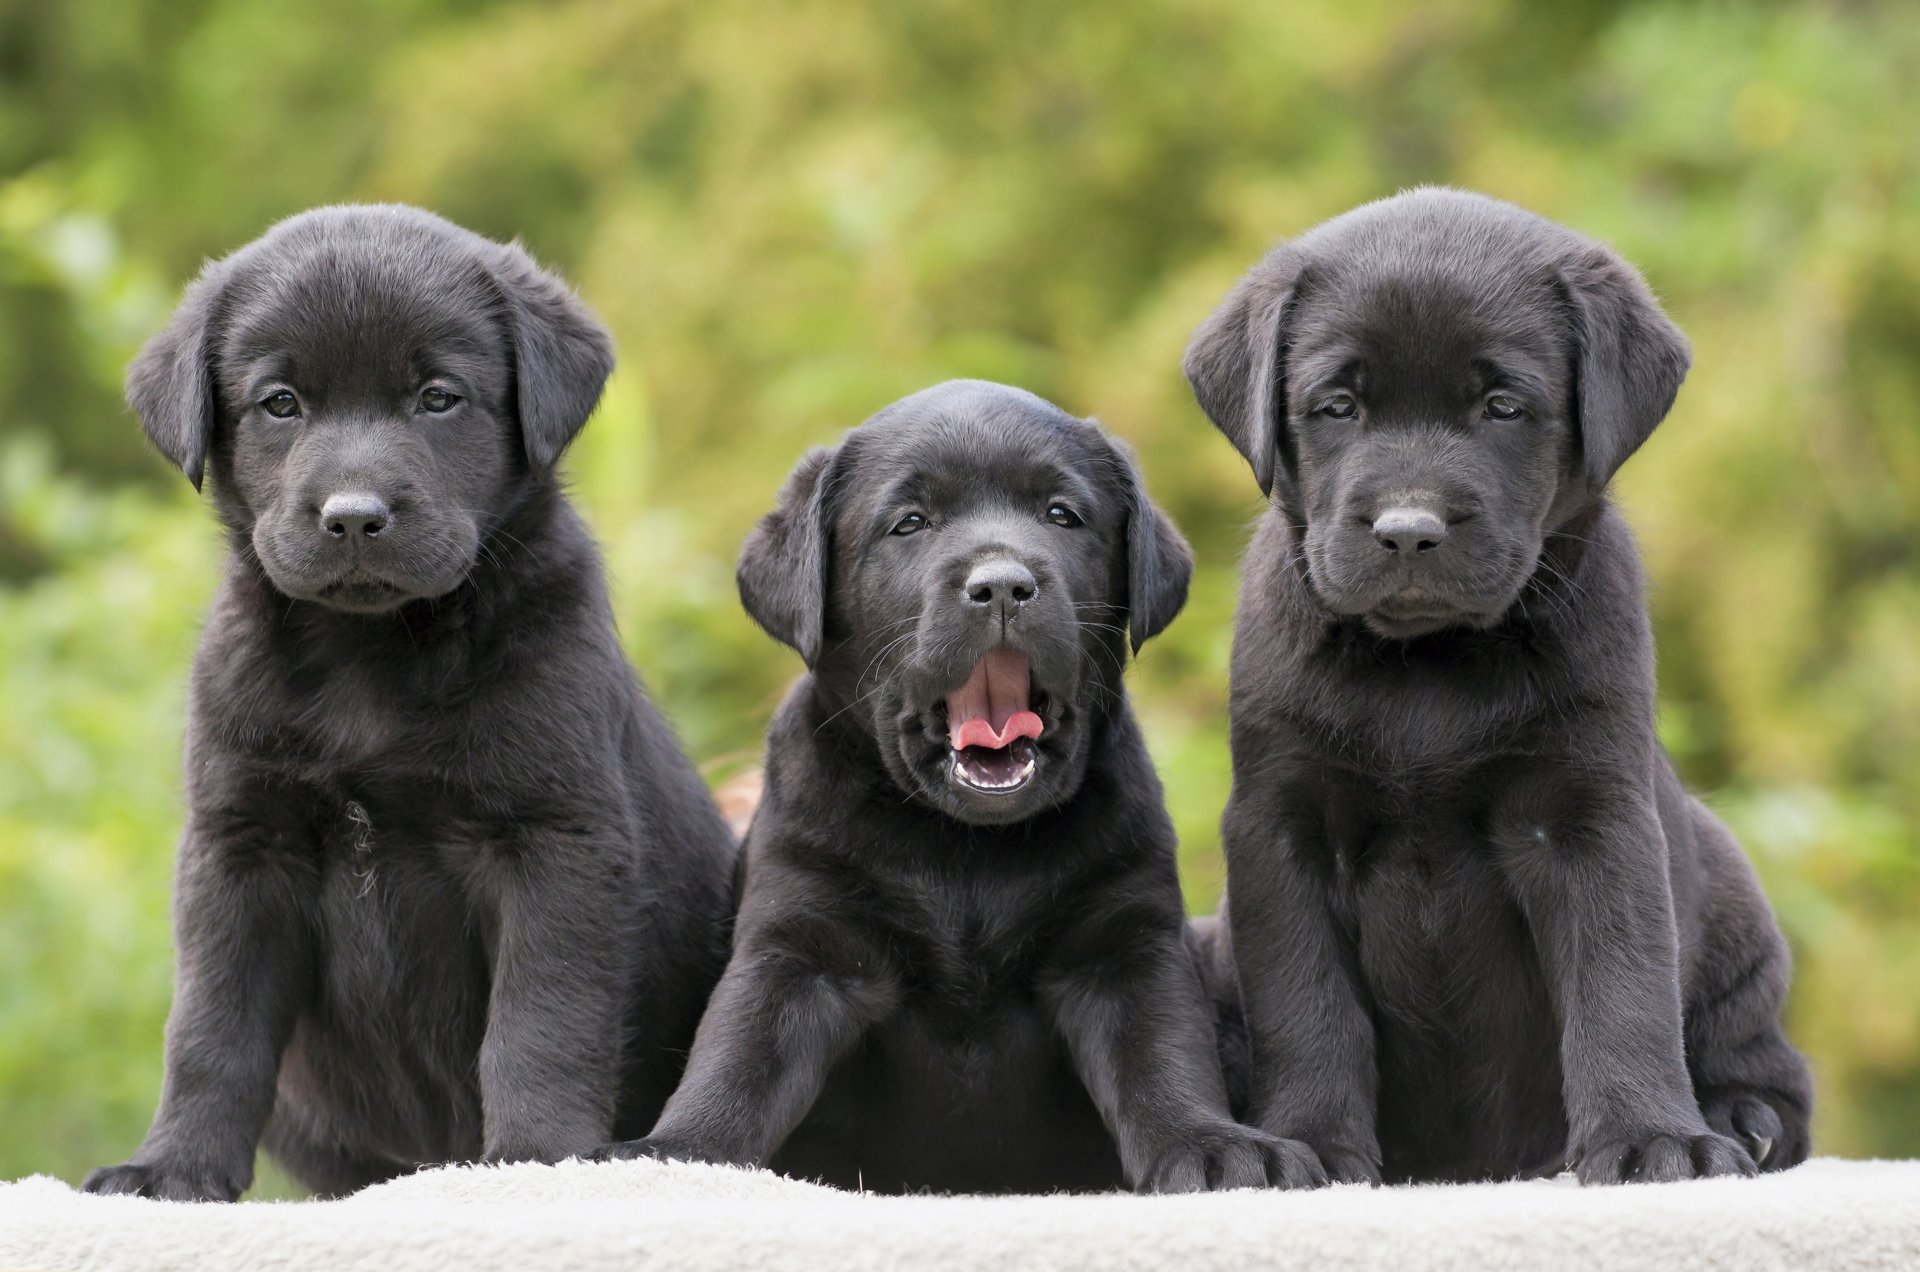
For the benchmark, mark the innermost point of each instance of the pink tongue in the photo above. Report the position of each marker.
(990, 710)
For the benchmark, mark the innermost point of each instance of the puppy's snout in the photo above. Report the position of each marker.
(1001, 583)
(1409, 530)
(354, 515)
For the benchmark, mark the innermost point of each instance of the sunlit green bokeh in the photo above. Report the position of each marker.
(792, 213)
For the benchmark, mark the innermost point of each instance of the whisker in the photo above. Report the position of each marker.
(850, 706)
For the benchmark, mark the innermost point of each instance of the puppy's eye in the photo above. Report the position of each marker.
(437, 399)
(282, 405)
(1061, 515)
(1340, 407)
(1502, 408)
(908, 524)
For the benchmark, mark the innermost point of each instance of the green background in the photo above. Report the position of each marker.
(792, 213)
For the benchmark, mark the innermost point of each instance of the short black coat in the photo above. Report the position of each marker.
(447, 889)
(1475, 926)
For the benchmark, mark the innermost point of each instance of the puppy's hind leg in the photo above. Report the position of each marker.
(1751, 1083)
(1211, 945)
(1755, 1088)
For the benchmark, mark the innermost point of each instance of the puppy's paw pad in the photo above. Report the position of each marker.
(163, 1183)
(1662, 1158)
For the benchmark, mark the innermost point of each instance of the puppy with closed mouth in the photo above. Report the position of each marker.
(1476, 926)
(961, 961)
(448, 888)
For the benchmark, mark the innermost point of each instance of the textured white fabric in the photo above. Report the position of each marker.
(1827, 1214)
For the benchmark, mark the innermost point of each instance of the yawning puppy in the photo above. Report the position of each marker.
(960, 960)
(1478, 927)
(447, 887)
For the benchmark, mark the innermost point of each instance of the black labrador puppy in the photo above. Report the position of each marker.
(447, 889)
(961, 962)
(1479, 929)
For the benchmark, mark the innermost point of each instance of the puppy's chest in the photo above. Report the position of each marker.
(1430, 885)
(1407, 834)
(352, 716)
(970, 951)
(1418, 884)
(357, 738)
(1419, 719)
(391, 854)
(402, 946)
(378, 840)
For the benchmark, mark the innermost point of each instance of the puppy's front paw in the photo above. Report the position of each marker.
(165, 1182)
(1345, 1164)
(1660, 1157)
(1232, 1156)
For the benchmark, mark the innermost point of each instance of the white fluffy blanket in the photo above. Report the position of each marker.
(639, 1215)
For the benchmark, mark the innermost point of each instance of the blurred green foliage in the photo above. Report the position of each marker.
(793, 213)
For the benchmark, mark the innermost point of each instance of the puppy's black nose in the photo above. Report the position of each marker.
(1409, 530)
(350, 515)
(1002, 582)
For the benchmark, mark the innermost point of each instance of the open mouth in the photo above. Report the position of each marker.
(992, 726)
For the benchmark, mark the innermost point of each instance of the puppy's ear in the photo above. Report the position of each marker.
(1629, 359)
(783, 564)
(170, 383)
(1159, 563)
(1236, 363)
(561, 354)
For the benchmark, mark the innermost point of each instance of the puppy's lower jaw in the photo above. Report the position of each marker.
(995, 771)
(362, 597)
(1409, 626)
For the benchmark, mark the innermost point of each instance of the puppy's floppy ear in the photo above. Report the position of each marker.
(561, 354)
(1159, 563)
(783, 564)
(170, 383)
(1236, 363)
(1629, 359)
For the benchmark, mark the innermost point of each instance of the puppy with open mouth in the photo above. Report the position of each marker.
(1477, 925)
(961, 961)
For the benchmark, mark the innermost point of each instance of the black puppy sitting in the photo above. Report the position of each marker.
(447, 888)
(960, 958)
(1479, 928)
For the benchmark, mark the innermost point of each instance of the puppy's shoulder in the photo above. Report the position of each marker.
(819, 769)
(1597, 612)
(1276, 623)
(245, 642)
(1619, 579)
(1121, 777)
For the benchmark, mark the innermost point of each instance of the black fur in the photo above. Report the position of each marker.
(447, 889)
(932, 987)
(1478, 928)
